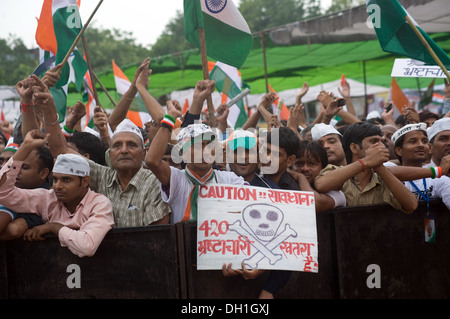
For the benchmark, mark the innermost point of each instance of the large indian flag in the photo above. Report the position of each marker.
(397, 36)
(229, 83)
(227, 36)
(137, 112)
(58, 26)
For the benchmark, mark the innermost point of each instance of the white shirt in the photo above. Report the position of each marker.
(436, 188)
(180, 188)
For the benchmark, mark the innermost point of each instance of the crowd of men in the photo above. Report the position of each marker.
(78, 184)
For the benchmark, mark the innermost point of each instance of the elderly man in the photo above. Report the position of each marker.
(132, 189)
(77, 215)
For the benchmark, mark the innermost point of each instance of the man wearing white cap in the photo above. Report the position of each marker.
(439, 137)
(365, 180)
(77, 215)
(412, 148)
(330, 139)
(132, 189)
(179, 188)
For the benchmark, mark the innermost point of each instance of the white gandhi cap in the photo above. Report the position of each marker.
(128, 126)
(321, 129)
(71, 164)
(440, 125)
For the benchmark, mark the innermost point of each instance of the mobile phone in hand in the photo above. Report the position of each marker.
(389, 107)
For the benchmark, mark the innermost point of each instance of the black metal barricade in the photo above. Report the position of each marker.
(364, 252)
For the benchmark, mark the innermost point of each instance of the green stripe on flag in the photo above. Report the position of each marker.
(65, 34)
(397, 36)
(227, 86)
(224, 42)
(60, 98)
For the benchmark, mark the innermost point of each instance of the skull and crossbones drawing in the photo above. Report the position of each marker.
(263, 221)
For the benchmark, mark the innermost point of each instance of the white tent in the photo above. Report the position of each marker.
(358, 91)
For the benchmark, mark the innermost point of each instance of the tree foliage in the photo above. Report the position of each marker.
(264, 14)
(15, 60)
(106, 45)
(172, 40)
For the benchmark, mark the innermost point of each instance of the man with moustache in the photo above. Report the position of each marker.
(132, 189)
(330, 139)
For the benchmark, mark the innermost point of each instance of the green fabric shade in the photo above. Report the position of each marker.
(287, 66)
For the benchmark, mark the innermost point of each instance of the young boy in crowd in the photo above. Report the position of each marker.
(34, 173)
(242, 157)
(79, 217)
(311, 159)
(365, 180)
(278, 155)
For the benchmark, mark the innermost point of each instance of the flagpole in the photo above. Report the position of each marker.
(104, 89)
(91, 72)
(204, 56)
(263, 45)
(427, 46)
(66, 58)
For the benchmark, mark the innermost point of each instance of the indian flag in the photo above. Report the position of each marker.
(227, 36)
(284, 112)
(397, 36)
(397, 96)
(137, 113)
(59, 94)
(89, 102)
(58, 26)
(229, 82)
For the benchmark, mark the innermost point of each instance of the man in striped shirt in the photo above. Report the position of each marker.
(132, 189)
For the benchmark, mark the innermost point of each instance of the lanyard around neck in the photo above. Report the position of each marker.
(423, 194)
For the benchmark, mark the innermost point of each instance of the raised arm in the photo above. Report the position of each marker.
(203, 89)
(344, 89)
(404, 196)
(154, 158)
(27, 108)
(33, 139)
(119, 112)
(296, 118)
(252, 121)
(263, 106)
(43, 99)
(152, 105)
(334, 180)
(101, 123)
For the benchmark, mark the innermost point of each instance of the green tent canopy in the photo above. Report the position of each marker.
(287, 67)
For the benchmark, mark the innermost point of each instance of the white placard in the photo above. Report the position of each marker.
(415, 69)
(262, 227)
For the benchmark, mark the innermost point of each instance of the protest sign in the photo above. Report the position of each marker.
(262, 227)
(416, 69)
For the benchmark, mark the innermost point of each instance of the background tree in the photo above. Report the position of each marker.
(15, 60)
(264, 14)
(338, 5)
(106, 45)
(172, 39)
